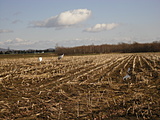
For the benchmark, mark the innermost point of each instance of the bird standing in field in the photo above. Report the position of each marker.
(128, 76)
(40, 59)
(60, 57)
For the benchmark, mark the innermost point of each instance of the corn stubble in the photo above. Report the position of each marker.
(81, 87)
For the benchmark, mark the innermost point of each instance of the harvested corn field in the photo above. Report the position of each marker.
(91, 87)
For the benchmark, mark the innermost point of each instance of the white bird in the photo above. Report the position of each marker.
(126, 77)
(60, 57)
(40, 59)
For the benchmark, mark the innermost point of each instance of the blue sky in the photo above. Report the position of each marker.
(41, 24)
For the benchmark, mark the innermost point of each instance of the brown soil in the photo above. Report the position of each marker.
(81, 87)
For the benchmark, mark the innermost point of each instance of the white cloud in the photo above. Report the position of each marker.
(101, 27)
(15, 42)
(64, 19)
(22, 44)
(5, 31)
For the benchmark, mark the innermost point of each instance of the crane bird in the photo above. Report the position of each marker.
(40, 59)
(60, 57)
(128, 76)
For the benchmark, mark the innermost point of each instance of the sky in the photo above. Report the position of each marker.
(43, 24)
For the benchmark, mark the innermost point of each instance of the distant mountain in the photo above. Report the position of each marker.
(50, 49)
(2, 49)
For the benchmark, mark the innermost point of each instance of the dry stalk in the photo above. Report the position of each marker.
(128, 62)
(124, 102)
(149, 109)
(1, 82)
(137, 116)
(128, 110)
(114, 101)
(100, 96)
(78, 108)
(89, 99)
(134, 64)
(149, 64)
(133, 107)
(60, 111)
(40, 92)
(107, 103)
(110, 81)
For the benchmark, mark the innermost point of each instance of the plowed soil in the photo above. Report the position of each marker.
(87, 87)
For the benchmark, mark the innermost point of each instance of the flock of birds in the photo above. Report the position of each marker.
(128, 75)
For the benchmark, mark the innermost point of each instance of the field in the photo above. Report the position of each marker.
(87, 87)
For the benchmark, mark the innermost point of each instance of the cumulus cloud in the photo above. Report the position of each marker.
(101, 27)
(5, 31)
(64, 19)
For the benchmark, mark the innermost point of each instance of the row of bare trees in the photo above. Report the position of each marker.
(106, 48)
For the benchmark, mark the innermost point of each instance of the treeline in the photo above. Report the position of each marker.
(26, 51)
(107, 48)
